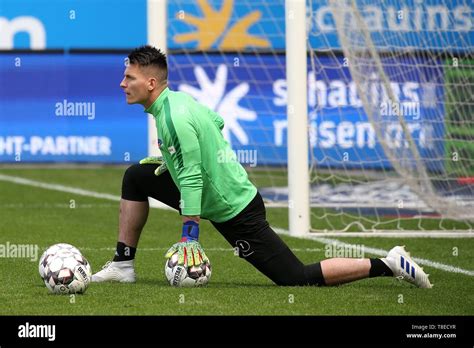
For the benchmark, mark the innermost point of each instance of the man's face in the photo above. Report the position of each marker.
(135, 84)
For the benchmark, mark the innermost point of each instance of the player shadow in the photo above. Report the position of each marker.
(219, 284)
(234, 284)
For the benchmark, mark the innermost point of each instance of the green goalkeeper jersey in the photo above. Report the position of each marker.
(212, 183)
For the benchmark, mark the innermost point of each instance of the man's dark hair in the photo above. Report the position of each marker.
(150, 56)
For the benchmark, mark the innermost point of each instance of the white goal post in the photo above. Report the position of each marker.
(156, 36)
(297, 115)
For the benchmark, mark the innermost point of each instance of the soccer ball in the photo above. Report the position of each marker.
(67, 273)
(186, 276)
(53, 250)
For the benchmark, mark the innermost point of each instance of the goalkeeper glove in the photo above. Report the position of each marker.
(156, 160)
(190, 252)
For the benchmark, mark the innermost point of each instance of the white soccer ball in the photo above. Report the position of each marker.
(53, 250)
(67, 273)
(186, 276)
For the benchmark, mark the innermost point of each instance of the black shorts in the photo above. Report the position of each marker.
(248, 233)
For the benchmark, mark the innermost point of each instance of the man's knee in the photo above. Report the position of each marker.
(130, 187)
(132, 172)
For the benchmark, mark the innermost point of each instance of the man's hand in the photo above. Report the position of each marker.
(156, 160)
(190, 252)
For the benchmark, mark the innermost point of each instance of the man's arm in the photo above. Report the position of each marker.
(186, 157)
(186, 218)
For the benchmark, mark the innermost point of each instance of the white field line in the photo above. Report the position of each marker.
(55, 187)
(157, 204)
(380, 252)
(374, 251)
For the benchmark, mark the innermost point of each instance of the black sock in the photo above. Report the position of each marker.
(378, 268)
(124, 252)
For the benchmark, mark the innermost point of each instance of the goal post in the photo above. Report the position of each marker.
(156, 36)
(297, 116)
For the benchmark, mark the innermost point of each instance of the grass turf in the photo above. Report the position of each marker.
(43, 217)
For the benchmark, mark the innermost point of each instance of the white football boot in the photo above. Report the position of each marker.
(116, 271)
(403, 267)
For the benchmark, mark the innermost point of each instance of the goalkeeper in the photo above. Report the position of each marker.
(191, 179)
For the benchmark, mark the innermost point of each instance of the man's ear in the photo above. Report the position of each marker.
(152, 83)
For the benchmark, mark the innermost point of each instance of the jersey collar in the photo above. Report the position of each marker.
(155, 108)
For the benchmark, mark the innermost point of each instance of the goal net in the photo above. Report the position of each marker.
(390, 104)
(404, 110)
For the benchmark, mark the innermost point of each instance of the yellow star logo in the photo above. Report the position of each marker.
(213, 25)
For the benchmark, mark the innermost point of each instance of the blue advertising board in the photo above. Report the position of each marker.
(54, 24)
(428, 24)
(250, 93)
(393, 25)
(56, 107)
(231, 25)
(67, 108)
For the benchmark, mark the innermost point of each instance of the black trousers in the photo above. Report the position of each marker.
(248, 232)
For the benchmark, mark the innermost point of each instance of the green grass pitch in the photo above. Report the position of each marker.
(31, 215)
